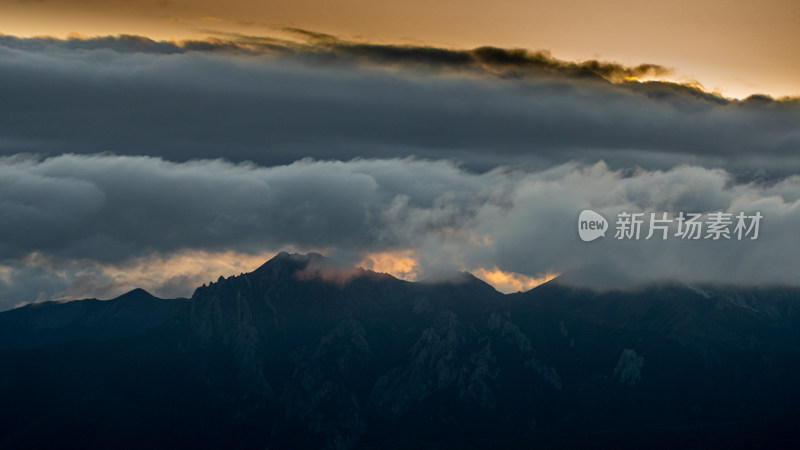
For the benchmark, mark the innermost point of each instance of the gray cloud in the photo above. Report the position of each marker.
(273, 102)
(78, 213)
(110, 208)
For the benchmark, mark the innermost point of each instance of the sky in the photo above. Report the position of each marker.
(161, 145)
(737, 48)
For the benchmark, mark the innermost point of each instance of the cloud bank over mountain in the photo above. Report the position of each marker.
(125, 162)
(84, 217)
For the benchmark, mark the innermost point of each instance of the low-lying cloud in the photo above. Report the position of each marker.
(81, 214)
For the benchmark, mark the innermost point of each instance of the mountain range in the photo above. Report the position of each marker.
(304, 352)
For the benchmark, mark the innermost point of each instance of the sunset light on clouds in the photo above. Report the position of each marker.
(509, 282)
(751, 50)
(401, 264)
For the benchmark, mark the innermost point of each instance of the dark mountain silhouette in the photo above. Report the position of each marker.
(40, 324)
(307, 353)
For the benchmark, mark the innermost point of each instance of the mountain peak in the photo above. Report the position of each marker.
(292, 260)
(461, 278)
(136, 294)
(311, 266)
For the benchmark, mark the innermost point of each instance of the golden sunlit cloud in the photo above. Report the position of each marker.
(192, 262)
(164, 276)
(401, 264)
(405, 265)
(508, 282)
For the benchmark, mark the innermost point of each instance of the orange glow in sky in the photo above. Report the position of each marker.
(179, 273)
(162, 275)
(736, 48)
(508, 282)
(401, 264)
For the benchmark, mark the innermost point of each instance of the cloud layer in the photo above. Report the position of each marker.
(97, 214)
(273, 102)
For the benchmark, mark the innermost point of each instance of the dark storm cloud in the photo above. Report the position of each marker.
(273, 102)
(510, 62)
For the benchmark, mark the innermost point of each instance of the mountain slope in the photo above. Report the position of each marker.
(306, 353)
(42, 324)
